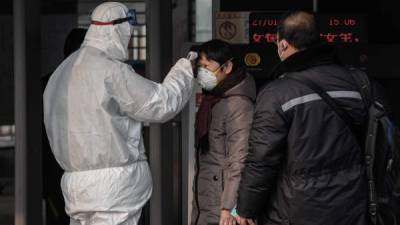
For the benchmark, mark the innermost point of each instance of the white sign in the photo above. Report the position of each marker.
(232, 27)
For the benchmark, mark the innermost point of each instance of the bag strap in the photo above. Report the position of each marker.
(370, 140)
(370, 143)
(364, 85)
(368, 93)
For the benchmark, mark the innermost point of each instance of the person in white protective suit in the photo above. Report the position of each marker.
(94, 106)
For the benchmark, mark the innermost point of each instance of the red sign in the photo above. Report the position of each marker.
(343, 28)
(334, 28)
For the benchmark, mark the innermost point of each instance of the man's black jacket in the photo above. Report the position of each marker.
(304, 165)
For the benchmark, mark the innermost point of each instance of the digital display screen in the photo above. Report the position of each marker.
(343, 28)
(346, 28)
(263, 27)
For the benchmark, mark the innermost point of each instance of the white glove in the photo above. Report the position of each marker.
(192, 56)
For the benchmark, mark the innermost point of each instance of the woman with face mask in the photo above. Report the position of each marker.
(223, 122)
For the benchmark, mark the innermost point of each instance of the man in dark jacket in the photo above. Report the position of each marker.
(304, 165)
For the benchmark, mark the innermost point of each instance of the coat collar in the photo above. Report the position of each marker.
(314, 56)
(228, 83)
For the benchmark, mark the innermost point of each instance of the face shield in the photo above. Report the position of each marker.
(130, 18)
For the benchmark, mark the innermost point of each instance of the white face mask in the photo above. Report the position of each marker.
(279, 52)
(280, 55)
(207, 80)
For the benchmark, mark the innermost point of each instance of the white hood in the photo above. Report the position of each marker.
(112, 39)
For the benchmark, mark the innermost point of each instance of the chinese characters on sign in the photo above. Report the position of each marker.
(263, 27)
(341, 37)
(342, 28)
(267, 37)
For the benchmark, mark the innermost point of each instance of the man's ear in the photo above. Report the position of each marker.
(284, 44)
(228, 67)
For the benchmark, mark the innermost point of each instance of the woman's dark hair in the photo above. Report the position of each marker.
(219, 51)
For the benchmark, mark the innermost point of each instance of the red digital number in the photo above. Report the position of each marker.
(265, 23)
(342, 22)
(349, 22)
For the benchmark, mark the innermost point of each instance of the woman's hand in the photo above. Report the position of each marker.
(226, 218)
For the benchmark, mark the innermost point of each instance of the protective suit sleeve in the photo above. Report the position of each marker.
(148, 101)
